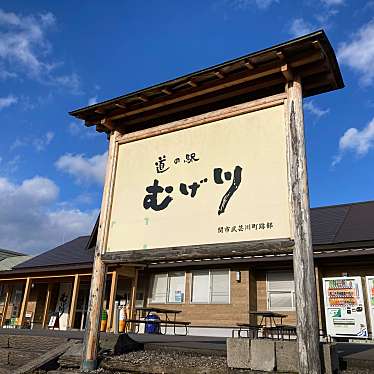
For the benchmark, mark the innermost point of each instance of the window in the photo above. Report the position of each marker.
(280, 291)
(167, 288)
(210, 287)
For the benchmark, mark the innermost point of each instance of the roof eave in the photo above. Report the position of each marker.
(134, 104)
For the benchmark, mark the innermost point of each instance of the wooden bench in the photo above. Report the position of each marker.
(251, 330)
(162, 323)
(280, 331)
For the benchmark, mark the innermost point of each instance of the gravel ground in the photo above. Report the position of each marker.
(169, 362)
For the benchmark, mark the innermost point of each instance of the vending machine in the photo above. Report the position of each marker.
(370, 298)
(344, 307)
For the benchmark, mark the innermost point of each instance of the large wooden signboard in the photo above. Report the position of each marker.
(224, 181)
(213, 164)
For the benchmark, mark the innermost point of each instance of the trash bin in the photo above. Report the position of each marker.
(154, 326)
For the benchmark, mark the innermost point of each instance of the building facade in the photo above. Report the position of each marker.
(214, 294)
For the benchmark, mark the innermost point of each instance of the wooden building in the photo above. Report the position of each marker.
(58, 281)
(215, 293)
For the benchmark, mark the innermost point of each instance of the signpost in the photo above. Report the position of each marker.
(202, 167)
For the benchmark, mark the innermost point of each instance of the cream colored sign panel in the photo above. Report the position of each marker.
(225, 181)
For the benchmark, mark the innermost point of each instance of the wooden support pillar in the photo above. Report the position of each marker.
(303, 263)
(6, 303)
(112, 299)
(321, 312)
(252, 296)
(91, 336)
(74, 298)
(25, 300)
(134, 288)
(47, 304)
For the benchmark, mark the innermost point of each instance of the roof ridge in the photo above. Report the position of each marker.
(344, 204)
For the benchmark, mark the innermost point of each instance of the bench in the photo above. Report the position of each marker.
(280, 331)
(162, 323)
(251, 330)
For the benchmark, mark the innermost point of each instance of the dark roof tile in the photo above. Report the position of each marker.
(343, 223)
(73, 252)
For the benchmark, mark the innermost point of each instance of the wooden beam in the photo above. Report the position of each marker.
(32, 365)
(134, 288)
(120, 105)
(193, 252)
(112, 299)
(287, 72)
(244, 90)
(128, 271)
(142, 98)
(219, 74)
(249, 65)
(319, 289)
(47, 304)
(6, 303)
(74, 298)
(91, 336)
(201, 119)
(166, 91)
(24, 301)
(280, 55)
(107, 123)
(317, 45)
(264, 71)
(305, 286)
(192, 83)
(47, 277)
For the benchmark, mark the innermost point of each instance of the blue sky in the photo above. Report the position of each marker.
(57, 56)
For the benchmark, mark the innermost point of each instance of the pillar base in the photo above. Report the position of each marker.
(89, 365)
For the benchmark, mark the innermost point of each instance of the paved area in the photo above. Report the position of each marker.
(352, 354)
(186, 343)
(356, 356)
(77, 335)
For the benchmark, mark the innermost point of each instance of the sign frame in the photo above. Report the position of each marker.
(256, 247)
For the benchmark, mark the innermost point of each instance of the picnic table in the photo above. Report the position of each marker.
(268, 317)
(268, 326)
(169, 319)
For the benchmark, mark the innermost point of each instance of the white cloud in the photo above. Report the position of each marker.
(39, 143)
(314, 109)
(92, 100)
(333, 2)
(83, 169)
(248, 4)
(360, 142)
(7, 101)
(10, 166)
(264, 4)
(24, 47)
(78, 129)
(7, 74)
(358, 54)
(28, 220)
(74, 128)
(70, 81)
(300, 27)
